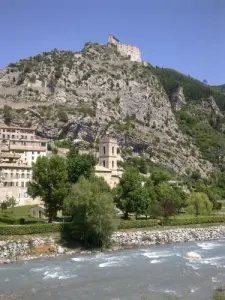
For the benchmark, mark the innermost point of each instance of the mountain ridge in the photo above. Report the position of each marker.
(65, 94)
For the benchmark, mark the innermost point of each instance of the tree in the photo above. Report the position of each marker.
(11, 202)
(63, 117)
(129, 192)
(166, 200)
(90, 203)
(180, 198)
(4, 205)
(212, 195)
(151, 206)
(143, 167)
(7, 114)
(160, 176)
(199, 204)
(50, 183)
(79, 165)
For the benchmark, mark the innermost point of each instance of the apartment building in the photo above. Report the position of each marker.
(19, 148)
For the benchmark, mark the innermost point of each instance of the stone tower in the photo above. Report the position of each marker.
(108, 153)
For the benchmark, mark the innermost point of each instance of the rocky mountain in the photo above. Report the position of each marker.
(159, 113)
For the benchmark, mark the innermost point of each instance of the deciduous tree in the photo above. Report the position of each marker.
(79, 165)
(90, 203)
(50, 183)
(199, 204)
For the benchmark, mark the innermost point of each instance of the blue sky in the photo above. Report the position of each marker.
(187, 35)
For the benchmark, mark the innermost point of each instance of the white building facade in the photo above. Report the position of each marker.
(19, 148)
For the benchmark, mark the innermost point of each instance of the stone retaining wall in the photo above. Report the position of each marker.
(12, 250)
(146, 238)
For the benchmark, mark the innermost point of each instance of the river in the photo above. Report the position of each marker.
(148, 273)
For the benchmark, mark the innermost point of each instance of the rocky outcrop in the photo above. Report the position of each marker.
(210, 103)
(97, 91)
(31, 248)
(178, 100)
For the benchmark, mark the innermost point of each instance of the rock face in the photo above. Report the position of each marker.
(178, 99)
(94, 92)
(210, 103)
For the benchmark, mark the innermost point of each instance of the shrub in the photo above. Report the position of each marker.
(33, 229)
(62, 115)
(138, 224)
(195, 220)
(7, 220)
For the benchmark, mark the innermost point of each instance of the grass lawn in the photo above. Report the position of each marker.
(19, 212)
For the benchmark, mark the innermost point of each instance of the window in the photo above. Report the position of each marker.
(17, 175)
(112, 164)
(11, 174)
(22, 175)
(19, 195)
(103, 163)
(112, 150)
(14, 143)
(32, 152)
(28, 175)
(43, 144)
(22, 184)
(104, 149)
(3, 136)
(32, 157)
(16, 183)
(13, 136)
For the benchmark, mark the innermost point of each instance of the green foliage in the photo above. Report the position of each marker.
(7, 114)
(193, 89)
(10, 202)
(166, 197)
(129, 192)
(195, 220)
(79, 165)
(90, 203)
(86, 111)
(211, 193)
(160, 176)
(67, 144)
(33, 78)
(50, 183)
(33, 229)
(9, 220)
(199, 204)
(210, 140)
(63, 117)
(138, 223)
(219, 294)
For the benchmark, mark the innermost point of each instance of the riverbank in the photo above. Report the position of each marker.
(35, 247)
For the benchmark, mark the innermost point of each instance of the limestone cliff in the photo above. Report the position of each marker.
(97, 91)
